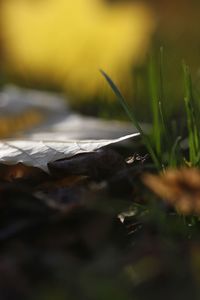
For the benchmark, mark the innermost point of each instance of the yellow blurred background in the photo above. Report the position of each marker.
(64, 43)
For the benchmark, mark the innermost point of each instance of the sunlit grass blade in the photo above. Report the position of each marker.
(122, 101)
(161, 132)
(161, 69)
(131, 116)
(175, 153)
(165, 129)
(154, 96)
(163, 120)
(193, 130)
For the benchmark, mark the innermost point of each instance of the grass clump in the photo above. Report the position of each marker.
(164, 141)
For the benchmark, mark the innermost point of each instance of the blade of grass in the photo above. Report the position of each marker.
(163, 122)
(161, 68)
(193, 130)
(173, 162)
(122, 101)
(153, 89)
(165, 128)
(131, 116)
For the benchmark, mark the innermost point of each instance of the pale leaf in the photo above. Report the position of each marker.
(40, 153)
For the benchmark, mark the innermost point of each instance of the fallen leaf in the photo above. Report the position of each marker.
(179, 187)
(10, 125)
(20, 172)
(40, 153)
(97, 165)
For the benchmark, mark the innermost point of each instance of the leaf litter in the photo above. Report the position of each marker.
(58, 195)
(74, 220)
(40, 153)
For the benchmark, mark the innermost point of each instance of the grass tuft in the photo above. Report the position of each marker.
(164, 142)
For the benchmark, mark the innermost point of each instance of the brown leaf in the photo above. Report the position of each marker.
(20, 172)
(178, 187)
(97, 165)
(14, 124)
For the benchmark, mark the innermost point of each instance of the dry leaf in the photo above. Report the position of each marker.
(97, 165)
(180, 188)
(40, 153)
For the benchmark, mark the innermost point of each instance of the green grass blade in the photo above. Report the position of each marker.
(122, 101)
(173, 162)
(154, 95)
(132, 118)
(165, 129)
(162, 92)
(193, 130)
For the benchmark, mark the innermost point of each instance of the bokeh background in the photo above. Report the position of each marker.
(61, 45)
(87, 253)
